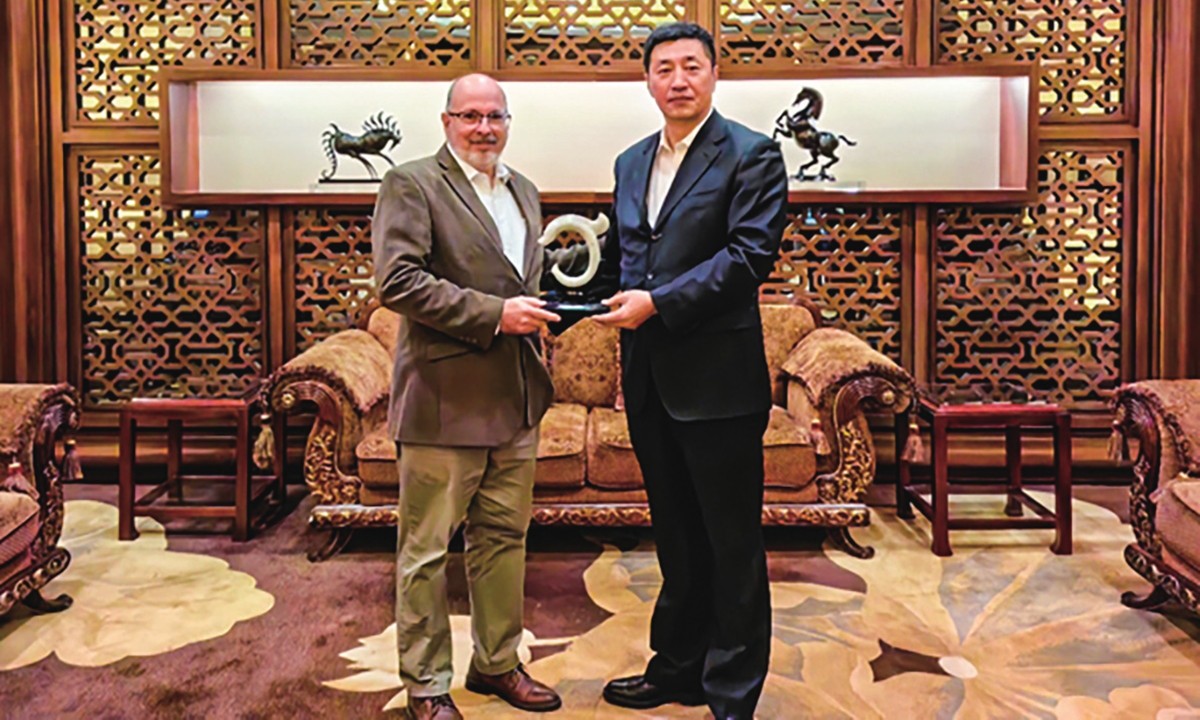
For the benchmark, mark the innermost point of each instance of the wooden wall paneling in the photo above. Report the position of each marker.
(275, 270)
(8, 315)
(1080, 44)
(269, 38)
(1177, 189)
(782, 34)
(287, 280)
(924, 296)
(27, 206)
(117, 49)
(1139, 281)
(367, 33)
(920, 18)
(65, 322)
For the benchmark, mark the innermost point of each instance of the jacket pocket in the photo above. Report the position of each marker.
(442, 350)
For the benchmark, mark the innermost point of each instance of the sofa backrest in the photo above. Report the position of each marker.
(584, 360)
(585, 364)
(784, 325)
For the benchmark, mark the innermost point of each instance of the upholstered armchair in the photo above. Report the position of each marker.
(34, 421)
(1164, 417)
(819, 456)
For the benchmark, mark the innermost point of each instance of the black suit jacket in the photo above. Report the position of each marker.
(714, 242)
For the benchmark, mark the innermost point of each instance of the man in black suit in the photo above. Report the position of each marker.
(700, 209)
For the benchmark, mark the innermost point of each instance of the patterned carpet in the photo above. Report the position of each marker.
(192, 625)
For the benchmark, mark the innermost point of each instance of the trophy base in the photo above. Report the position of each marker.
(571, 313)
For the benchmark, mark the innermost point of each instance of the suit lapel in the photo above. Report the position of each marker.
(639, 177)
(462, 187)
(527, 201)
(700, 156)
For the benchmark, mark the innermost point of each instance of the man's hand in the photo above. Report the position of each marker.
(524, 315)
(630, 308)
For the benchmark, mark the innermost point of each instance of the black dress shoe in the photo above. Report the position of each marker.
(635, 692)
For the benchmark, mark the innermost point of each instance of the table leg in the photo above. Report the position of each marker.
(174, 457)
(1062, 485)
(903, 468)
(126, 487)
(1012, 453)
(941, 489)
(241, 521)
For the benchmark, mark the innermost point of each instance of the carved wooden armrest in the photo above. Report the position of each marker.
(833, 376)
(345, 376)
(33, 420)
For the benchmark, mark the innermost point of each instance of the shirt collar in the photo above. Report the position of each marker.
(684, 144)
(502, 172)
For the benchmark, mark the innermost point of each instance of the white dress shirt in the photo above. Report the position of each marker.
(498, 200)
(666, 165)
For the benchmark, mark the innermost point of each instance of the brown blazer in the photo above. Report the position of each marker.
(440, 263)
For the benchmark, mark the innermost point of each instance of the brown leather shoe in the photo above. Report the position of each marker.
(437, 707)
(516, 688)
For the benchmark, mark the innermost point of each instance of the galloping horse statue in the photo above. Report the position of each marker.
(379, 134)
(796, 122)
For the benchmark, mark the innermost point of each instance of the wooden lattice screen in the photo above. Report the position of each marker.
(174, 302)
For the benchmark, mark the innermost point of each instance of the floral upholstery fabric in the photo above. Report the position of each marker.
(584, 364)
(18, 524)
(788, 460)
(611, 462)
(783, 327)
(562, 447)
(1178, 520)
(352, 362)
(827, 357)
(377, 460)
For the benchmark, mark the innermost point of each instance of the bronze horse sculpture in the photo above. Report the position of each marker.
(379, 134)
(796, 122)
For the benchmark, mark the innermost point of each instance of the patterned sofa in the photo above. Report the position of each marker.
(819, 455)
(1164, 417)
(33, 420)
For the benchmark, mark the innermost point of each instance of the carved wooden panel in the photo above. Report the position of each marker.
(334, 272)
(1032, 298)
(414, 33)
(1081, 45)
(776, 33)
(847, 261)
(171, 299)
(121, 45)
(563, 33)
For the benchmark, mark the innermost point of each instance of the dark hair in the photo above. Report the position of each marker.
(678, 31)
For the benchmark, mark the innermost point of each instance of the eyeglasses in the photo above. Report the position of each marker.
(474, 117)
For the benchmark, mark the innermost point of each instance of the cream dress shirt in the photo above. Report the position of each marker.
(502, 206)
(666, 166)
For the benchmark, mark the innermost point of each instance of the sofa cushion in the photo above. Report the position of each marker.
(585, 364)
(18, 524)
(561, 456)
(611, 462)
(1178, 520)
(788, 458)
(783, 327)
(376, 455)
(562, 448)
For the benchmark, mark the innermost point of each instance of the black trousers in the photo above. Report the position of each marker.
(711, 628)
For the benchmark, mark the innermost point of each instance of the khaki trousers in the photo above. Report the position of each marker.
(492, 489)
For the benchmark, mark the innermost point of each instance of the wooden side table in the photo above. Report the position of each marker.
(175, 412)
(944, 415)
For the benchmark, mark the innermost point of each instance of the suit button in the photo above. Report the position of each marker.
(650, 276)
(655, 237)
